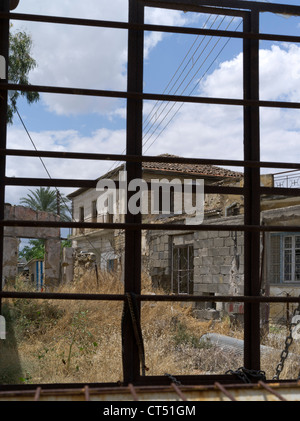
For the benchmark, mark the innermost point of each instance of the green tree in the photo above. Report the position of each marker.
(45, 199)
(20, 63)
(34, 250)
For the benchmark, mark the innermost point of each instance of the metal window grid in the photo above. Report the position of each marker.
(249, 11)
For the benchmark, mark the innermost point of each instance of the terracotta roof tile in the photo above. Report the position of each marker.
(196, 169)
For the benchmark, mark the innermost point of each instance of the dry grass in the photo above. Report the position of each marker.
(71, 341)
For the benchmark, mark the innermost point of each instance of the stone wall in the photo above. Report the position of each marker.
(12, 235)
(219, 265)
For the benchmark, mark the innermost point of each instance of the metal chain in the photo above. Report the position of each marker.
(288, 342)
(248, 376)
(173, 379)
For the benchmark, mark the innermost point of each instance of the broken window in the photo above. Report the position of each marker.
(183, 269)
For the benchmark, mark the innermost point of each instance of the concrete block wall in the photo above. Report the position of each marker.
(219, 264)
(160, 259)
(218, 261)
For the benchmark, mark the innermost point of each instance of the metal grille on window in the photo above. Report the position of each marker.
(183, 269)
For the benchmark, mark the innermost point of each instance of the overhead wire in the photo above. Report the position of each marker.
(154, 109)
(188, 84)
(48, 173)
(180, 65)
(189, 94)
(169, 83)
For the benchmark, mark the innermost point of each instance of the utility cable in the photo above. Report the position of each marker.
(49, 175)
(190, 93)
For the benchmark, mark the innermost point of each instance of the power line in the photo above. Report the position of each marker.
(48, 173)
(181, 64)
(190, 93)
(173, 77)
(167, 104)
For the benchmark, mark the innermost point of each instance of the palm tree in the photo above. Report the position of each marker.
(45, 199)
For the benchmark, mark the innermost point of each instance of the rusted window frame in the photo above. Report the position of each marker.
(133, 225)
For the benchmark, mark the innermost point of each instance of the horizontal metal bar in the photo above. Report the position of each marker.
(284, 191)
(148, 298)
(49, 182)
(156, 384)
(91, 184)
(62, 296)
(67, 20)
(199, 9)
(240, 4)
(209, 189)
(151, 27)
(148, 96)
(147, 158)
(151, 227)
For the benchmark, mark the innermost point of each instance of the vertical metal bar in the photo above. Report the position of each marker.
(86, 391)
(37, 394)
(179, 392)
(223, 390)
(132, 270)
(133, 392)
(252, 193)
(269, 389)
(4, 41)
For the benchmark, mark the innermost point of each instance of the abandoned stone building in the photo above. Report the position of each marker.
(199, 262)
(209, 262)
(108, 244)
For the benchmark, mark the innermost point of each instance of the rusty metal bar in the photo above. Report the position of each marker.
(209, 189)
(156, 227)
(37, 394)
(133, 392)
(86, 391)
(147, 158)
(199, 9)
(4, 40)
(59, 182)
(146, 297)
(134, 146)
(150, 97)
(155, 28)
(179, 392)
(269, 389)
(223, 390)
(252, 195)
(187, 5)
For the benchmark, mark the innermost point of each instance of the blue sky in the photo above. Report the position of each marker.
(96, 58)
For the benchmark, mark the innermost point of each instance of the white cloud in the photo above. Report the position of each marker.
(78, 56)
(101, 141)
(214, 131)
